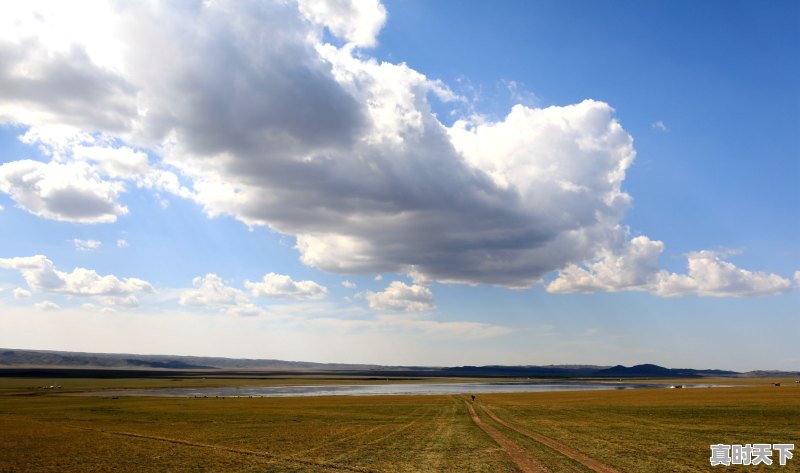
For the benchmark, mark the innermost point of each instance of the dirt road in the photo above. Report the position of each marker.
(565, 450)
(523, 459)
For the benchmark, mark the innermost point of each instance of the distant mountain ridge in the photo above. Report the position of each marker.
(17, 359)
(64, 359)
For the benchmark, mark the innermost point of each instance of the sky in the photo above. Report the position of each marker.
(405, 183)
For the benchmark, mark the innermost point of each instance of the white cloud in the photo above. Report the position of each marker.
(634, 267)
(122, 243)
(631, 267)
(122, 162)
(282, 286)
(97, 156)
(211, 291)
(161, 180)
(47, 306)
(349, 284)
(709, 275)
(20, 293)
(320, 142)
(86, 245)
(41, 84)
(41, 275)
(71, 192)
(357, 21)
(378, 277)
(246, 310)
(326, 144)
(660, 126)
(401, 297)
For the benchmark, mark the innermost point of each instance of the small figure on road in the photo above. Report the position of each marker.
(473, 398)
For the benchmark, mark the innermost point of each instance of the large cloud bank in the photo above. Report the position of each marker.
(251, 114)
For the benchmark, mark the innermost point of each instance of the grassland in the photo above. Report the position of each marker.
(634, 430)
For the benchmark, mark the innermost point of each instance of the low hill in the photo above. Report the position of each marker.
(655, 371)
(60, 359)
(17, 360)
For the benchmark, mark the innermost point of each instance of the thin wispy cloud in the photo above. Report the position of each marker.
(86, 245)
(660, 126)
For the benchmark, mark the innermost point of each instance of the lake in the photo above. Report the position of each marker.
(389, 389)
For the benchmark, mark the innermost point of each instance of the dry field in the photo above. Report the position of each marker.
(654, 430)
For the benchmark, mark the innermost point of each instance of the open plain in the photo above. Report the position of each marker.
(647, 430)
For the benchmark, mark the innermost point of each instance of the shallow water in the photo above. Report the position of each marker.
(385, 389)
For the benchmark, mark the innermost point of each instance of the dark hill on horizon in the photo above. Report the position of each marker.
(655, 371)
(17, 362)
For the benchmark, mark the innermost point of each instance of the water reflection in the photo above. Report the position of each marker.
(389, 389)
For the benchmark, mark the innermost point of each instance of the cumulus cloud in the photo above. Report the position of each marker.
(122, 243)
(210, 291)
(40, 87)
(282, 286)
(20, 293)
(322, 143)
(349, 284)
(357, 21)
(41, 275)
(47, 305)
(634, 267)
(86, 245)
(86, 164)
(71, 192)
(401, 297)
(317, 141)
(710, 275)
(122, 162)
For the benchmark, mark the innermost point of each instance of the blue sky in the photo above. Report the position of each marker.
(427, 183)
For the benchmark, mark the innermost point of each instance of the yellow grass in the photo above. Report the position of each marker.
(632, 430)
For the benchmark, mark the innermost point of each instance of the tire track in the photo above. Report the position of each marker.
(219, 448)
(356, 451)
(523, 459)
(565, 450)
(445, 421)
(361, 433)
(267, 455)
